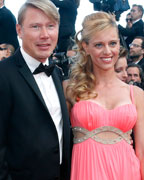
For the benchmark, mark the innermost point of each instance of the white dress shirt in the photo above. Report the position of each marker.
(136, 21)
(1, 7)
(49, 93)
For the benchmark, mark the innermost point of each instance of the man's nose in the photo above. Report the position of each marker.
(132, 78)
(44, 32)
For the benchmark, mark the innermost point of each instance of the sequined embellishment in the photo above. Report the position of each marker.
(93, 134)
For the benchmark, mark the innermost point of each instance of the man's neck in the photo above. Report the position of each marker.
(1, 5)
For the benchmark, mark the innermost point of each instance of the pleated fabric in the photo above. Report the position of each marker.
(92, 160)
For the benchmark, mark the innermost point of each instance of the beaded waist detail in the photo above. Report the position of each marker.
(82, 134)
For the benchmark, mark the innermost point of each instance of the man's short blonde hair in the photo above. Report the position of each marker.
(44, 5)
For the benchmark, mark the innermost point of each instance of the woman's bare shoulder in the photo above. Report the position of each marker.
(138, 91)
(138, 95)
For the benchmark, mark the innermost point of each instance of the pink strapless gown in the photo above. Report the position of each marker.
(92, 160)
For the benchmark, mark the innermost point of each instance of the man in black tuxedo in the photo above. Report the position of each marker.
(137, 28)
(7, 26)
(34, 121)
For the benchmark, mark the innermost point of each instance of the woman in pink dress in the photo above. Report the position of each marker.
(103, 109)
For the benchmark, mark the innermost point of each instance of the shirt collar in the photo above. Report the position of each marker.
(137, 61)
(1, 7)
(30, 61)
(136, 21)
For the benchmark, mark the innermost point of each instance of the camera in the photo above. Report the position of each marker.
(59, 58)
(62, 61)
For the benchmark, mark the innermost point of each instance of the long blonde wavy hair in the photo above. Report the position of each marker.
(82, 80)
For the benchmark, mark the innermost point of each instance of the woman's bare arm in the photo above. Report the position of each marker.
(139, 127)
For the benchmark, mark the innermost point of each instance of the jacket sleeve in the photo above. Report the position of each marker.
(128, 31)
(5, 112)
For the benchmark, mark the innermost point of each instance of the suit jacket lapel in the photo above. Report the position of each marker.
(26, 73)
(141, 61)
(65, 115)
(58, 86)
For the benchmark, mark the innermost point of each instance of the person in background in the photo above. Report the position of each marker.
(121, 65)
(128, 25)
(103, 109)
(8, 32)
(135, 75)
(128, 20)
(34, 121)
(137, 28)
(72, 49)
(10, 50)
(68, 14)
(3, 51)
(6, 50)
(136, 52)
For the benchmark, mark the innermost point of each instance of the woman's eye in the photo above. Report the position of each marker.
(117, 70)
(113, 43)
(98, 45)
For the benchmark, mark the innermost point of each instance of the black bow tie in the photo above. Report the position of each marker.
(44, 68)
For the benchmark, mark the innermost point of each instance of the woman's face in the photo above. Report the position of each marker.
(121, 69)
(103, 49)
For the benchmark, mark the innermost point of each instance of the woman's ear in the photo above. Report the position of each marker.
(85, 46)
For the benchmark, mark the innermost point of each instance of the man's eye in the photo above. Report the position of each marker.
(35, 27)
(50, 26)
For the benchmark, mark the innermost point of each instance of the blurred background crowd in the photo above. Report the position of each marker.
(129, 18)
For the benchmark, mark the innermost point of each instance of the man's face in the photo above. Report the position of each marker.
(136, 50)
(39, 34)
(3, 51)
(133, 74)
(1, 3)
(128, 18)
(135, 13)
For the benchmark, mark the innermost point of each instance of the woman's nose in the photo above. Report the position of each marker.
(107, 50)
(125, 74)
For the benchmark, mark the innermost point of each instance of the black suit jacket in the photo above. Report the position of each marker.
(8, 32)
(141, 64)
(136, 30)
(29, 147)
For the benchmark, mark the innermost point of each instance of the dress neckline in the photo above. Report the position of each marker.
(117, 107)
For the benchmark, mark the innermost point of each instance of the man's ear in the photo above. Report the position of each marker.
(19, 30)
(143, 52)
(85, 46)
